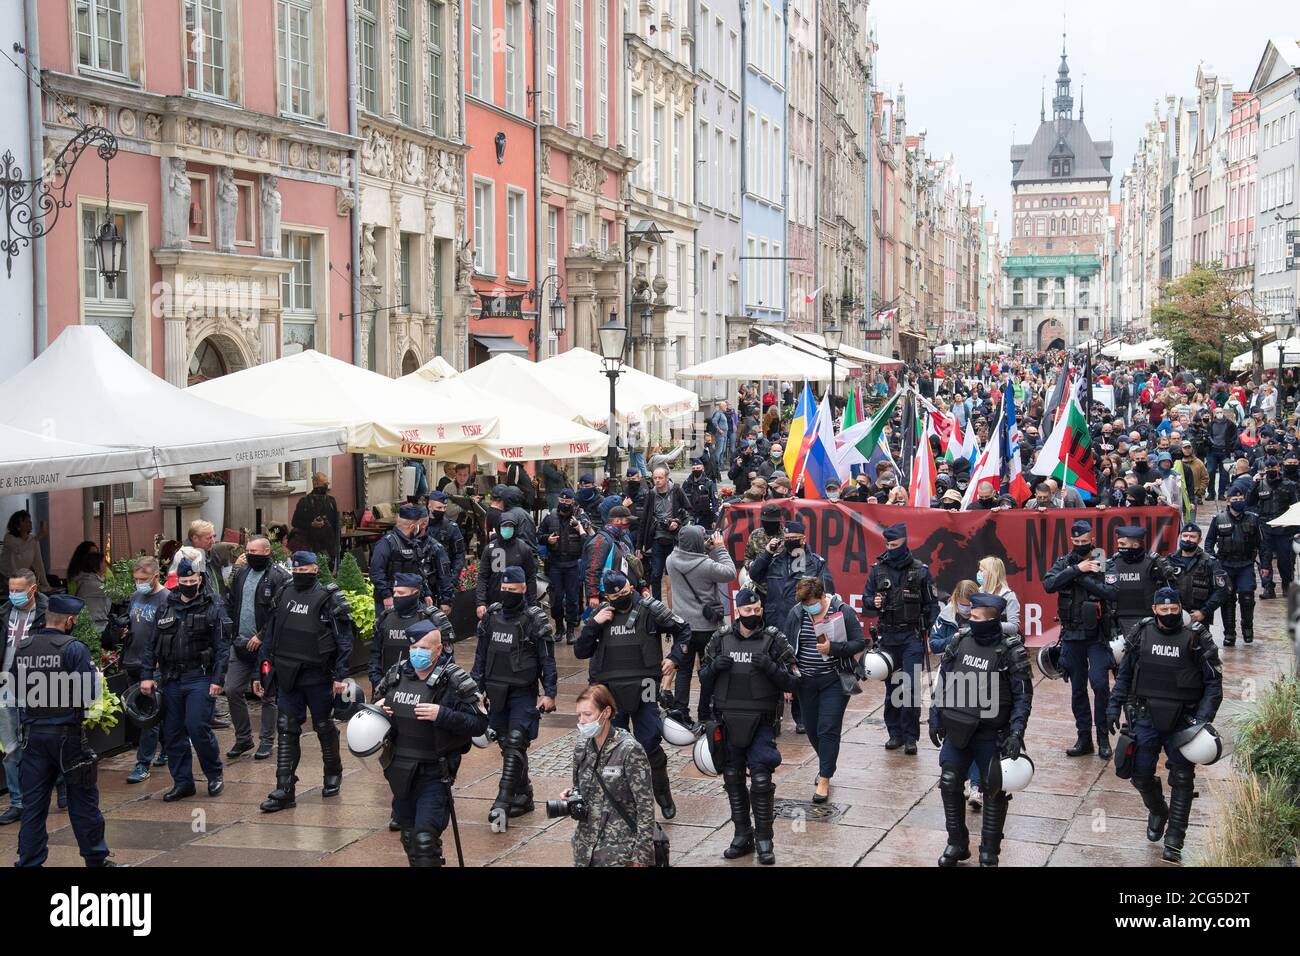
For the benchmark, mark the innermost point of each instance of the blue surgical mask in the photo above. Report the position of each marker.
(812, 607)
(18, 598)
(963, 610)
(979, 578)
(589, 730)
(421, 658)
(507, 532)
(144, 589)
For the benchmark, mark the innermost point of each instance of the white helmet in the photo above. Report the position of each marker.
(1200, 743)
(1049, 661)
(368, 728)
(677, 733)
(1017, 773)
(1117, 649)
(488, 736)
(878, 664)
(702, 754)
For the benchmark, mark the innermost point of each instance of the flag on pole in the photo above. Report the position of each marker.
(858, 444)
(1058, 392)
(812, 296)
(920, 490)
(820, 462)
(1067, 453)
(800, 424)
(962, 444)
(1013, 479)
(910, 427)
(987, 467)
(1178, 493)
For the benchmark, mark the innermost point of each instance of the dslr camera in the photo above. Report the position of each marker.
(572, 806)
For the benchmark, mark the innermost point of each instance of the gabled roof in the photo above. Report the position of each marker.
(1284, 49)
(1056, 138)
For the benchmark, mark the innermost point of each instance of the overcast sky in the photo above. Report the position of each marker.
(973, 70)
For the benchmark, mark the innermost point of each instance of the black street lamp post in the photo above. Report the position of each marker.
(613, 342)
(833, 336)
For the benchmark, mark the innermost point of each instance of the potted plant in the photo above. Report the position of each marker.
(361, 601)
(212, 485)
(464, 619)
(105, 725)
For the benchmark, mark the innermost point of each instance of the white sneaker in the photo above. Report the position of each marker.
(975, 799)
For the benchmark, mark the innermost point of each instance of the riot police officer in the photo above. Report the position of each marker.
(900, 592)
(747, 666)
(1201, 583)
(1135, 574)
(1271, 496)
(390, 643)
(513, 656)
(399, 551)
(701, 495)
(440, 583)
(306, 652)
(1084, 600)
(53, 741)
(993, 665)
(446, 532)
(623, 641)
(187, 664)
(564, 532)
(504, 550)
(1170, 679)
(434, 709)
(1235, 538)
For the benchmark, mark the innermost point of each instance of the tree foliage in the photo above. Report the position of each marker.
(1205, 317)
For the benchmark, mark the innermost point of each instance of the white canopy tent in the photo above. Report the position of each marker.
(32, 463)
(814, 344)
(435, 370)
(765, 362)
(90, 391)
(945, 352)
(1150, 350)
(1111, 350)
(1272, 355)
(639, 397)
(383, 416)
(540, 386)
(524, 433)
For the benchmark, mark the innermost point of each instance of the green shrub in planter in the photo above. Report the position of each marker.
(1258, 825)
(119, 583)
(86, 632)
(361, 597)
(1268, 737)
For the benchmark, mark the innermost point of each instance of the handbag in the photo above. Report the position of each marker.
(659, 840)
(710, 607)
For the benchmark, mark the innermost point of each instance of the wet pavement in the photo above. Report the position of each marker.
(884, 808)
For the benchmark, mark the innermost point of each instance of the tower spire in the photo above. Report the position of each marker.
(1063, 103)
(1081, 82)
(1042, 101)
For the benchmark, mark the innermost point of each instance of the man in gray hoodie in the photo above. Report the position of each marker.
(696, 569)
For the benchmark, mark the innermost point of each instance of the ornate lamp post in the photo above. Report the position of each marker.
(613, 342)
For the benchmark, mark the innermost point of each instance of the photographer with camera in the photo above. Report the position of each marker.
(695, 569)
(612, 798)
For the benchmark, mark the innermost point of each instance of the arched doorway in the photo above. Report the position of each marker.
(410, 362)
(1055, 344)
(208, 362)
(1051, 335)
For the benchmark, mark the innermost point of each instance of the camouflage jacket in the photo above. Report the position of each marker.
(756, 545)
(604, 839)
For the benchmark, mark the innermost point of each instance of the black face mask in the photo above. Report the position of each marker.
(1170, 622)
(749, 623)
(302, 580)
(697, 472)
(404, 604)
(1188, 546)
(984, 631)
(632, 487)
(188, 591)
(511, 600)
(622, 602)
(565, 511)
(435, 517)
(1273, 475)
(1131, 555)
(950, 506)
(1083, 550)
(792, 546)
(259, 562)
(772, 528)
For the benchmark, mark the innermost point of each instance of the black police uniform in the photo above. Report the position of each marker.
(421, 757)
(308, 647)
(974, 732)
(701, 498)
(1167, 680)
(448, 534)
(498, 555)
(1236, 541)
(1135, 581)
(390, 644)
(439, 581)
(563, 564)
(756, 669)
(513, 654)
(907, 613)
(626, 655)
(1270, 498)
(395, 554)
(54, 744)
(191, 653)
(1083, 607)
(1201, 582)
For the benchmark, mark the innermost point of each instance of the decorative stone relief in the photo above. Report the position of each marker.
(126, 122)
(546, 159)
(227, 209)
(369, 261)
(464, 266)
(345, 200)
(413, 165)
(444, 172)
(176, 204)
(376, 154)
(153, 127)
(270, 217)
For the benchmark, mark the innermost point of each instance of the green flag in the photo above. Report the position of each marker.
(865, 435)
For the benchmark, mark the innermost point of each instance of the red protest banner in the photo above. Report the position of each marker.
(953, 542)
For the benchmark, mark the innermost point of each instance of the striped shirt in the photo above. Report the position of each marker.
(810, 660)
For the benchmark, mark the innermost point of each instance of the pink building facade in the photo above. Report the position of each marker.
(1243, 130)
(232, 121)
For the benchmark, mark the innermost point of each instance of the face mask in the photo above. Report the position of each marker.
(589, 730)
(18, 598)
(633, 487)
(139, 589)
(302, 580)
(565, 510)
(1083, 550)
(406, 603)
(1131, 554)
(697, 472)
(772, 528)
(986, 502)
(435, 517)
(421, 658)
(750, 622)
(812, 607)
(985, 629)
(188, 591)
(897, 555)
(1170, 622)
(1273, 475)
(792, 546)
(1237, 506)
(776, 456)
(511, 601)
(832, 496)
(259, 562)
(979, 578)
(1188, 546)
(622, 602)
(963, 610)
(507, 532)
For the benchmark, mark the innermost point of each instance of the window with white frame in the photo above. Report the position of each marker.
(110, 307)
(205, 47)
(435, 70)
(552, 238)
(480, 48)
(604, 235)
(101, 35)
(578, 112)
(579, 230)
(294, 27)
(752, 150)
(602, 67)
(778, 267)
(635, 119)
(679, 141)
(658, 149)
(516, 234)
(552, 68)
(405, 252)
(702, 42)
(297, 302)
(751, 271)
(402, 55)
(368, 54)
(720, 168)
(702, 194)
(484, 227)
(733, 162)
(514, 57)
(683, 258)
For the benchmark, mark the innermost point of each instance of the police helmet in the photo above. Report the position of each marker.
(702, 754)
(143, 710)
(878, 664)
(485, 739)
(1049, 661)
(1017, 773)
(367, 730)
(677, 733)
(1117, 645)
(349, 701)
(1200, 743)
